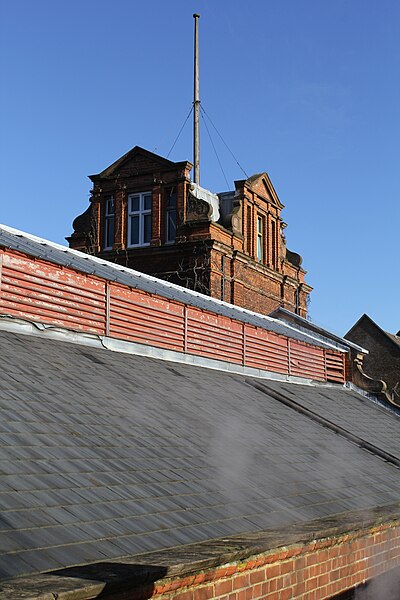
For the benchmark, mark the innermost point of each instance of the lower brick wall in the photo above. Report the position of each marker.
(314, 560)
(317, 570)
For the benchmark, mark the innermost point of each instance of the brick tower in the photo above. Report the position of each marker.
(147, 214)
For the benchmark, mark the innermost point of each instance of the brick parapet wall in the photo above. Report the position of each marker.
(313, 571)
(306, 561)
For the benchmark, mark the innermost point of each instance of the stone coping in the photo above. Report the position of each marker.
(101, 579)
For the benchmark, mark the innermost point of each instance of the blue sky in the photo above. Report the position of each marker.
(307, 90)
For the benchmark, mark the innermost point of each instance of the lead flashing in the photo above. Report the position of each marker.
(19, 326)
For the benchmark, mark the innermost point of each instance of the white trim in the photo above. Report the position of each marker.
(141, 213)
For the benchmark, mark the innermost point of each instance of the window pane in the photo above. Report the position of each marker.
(171, 200)
(109, 241)
(110, 206)
(134, 203)
(134, 231)
(259, 247)
(147, 202)
(146, 229)
(171, 225)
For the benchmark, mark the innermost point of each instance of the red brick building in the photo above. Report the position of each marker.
(146, 213)
(383, 360)
(157, 443)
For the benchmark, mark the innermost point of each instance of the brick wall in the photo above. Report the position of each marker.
(261, 284)
(315, 560)
(314, 571)
(383, 360)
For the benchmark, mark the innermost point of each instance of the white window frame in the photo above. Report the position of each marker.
(109, 216)
(141, 213)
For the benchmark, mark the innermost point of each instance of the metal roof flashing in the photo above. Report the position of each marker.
(286, 316)
(61, 255)
(19, 326)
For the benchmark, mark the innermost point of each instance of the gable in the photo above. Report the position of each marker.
(137, 161)
(262, 186)
(366, 326)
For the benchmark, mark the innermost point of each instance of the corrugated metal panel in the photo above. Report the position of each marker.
(46, 293)
(266, 350)
(139, 317)
(214, 336)
(84, 263)
(41, 291)
(306, 361)
(335, 367)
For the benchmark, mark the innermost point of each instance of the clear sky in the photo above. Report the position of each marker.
(307, 90)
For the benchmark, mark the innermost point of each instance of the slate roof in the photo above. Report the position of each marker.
(394, 337)
(105, 455)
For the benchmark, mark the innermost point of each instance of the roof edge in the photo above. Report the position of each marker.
(80, 582)
(306, 325)
(55, 333)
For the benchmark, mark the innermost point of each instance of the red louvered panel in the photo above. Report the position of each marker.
(306, 361)
(46, 271)
(214, 336)
(266, 350)
(139, 317)
(44, 292)
(40, 291)
(335, 366)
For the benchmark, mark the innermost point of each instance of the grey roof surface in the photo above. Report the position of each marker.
(85, 263)
(355, 416)
(394, 337)
(105, 455)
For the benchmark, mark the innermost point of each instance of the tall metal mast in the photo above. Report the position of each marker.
(196, 105)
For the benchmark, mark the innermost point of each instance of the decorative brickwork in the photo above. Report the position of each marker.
(240, 257)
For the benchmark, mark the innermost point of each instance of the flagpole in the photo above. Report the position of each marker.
(196, 105)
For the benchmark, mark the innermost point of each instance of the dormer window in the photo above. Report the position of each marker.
(109, 219)
(139, 219)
